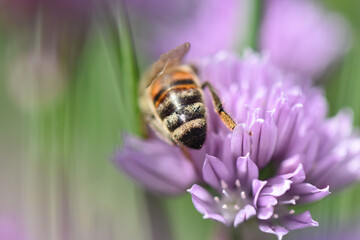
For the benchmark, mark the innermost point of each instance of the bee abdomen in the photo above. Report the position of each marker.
(191, 134)
(184, 114)
(181, 108)
(175, 99)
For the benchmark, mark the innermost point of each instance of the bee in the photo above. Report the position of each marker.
(172, 100)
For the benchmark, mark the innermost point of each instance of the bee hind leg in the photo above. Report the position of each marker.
(225, 117)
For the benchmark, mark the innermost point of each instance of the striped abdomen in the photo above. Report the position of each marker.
(180, 106)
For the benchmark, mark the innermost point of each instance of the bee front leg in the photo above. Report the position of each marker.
(225, 117)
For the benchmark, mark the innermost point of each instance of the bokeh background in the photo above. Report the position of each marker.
(68, 91)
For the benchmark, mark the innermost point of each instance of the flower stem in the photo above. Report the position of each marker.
(257, 11)
(222, 232)
(158, 218)
(249, 230)
(246, 231)
(235, 234)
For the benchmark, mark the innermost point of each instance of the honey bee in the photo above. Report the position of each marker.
(172, 100)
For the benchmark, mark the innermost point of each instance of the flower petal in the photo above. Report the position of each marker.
(297, 176)
(205, 203)
(277, 187)
(215, 171)
(289, 165)
(219, 145)
(300, 221)
(247, 171)
(265, 201)
(263, 139)
(257, 186)
(240, 140)
(244, 214)
(265, 213)
(308, 193)
(155, 164)
(286, 118)
(267, 227)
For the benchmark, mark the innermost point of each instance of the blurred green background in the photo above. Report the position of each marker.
(56, 176)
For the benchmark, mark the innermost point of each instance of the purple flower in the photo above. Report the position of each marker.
(238, 200)
(281, 123)
(159, 166)
(301, 36)
(208, 24)
(283, 151)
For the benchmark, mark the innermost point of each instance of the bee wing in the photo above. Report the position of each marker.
(159, 129)
(167, 60)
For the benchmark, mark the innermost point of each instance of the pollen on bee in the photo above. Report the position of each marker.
(182, 117)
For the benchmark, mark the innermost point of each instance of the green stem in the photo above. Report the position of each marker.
(222, 232)
(255, 23)
(248, 230)
(158, 219)
(235, 234)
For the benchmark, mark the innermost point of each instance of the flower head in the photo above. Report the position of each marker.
(302, 37)
(283, 151)
(174, 22)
